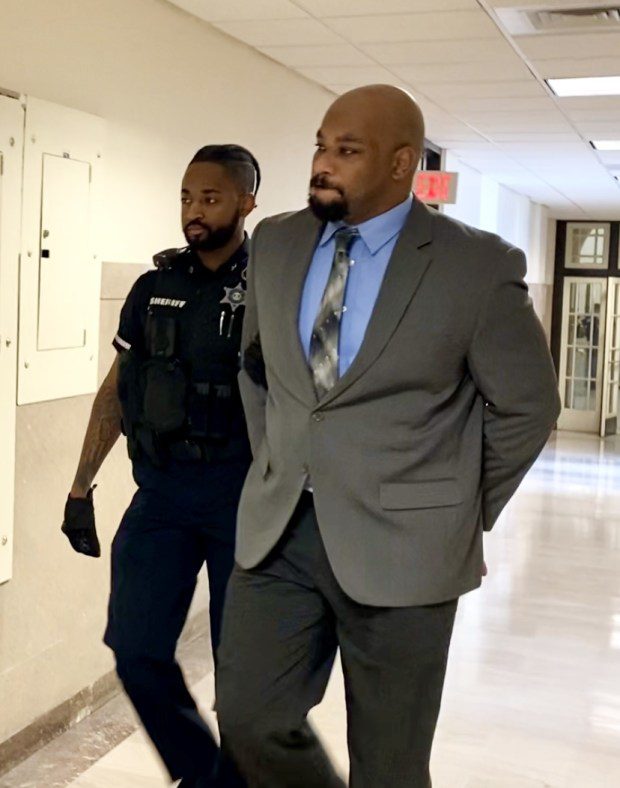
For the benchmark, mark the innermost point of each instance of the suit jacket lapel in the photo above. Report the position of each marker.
(410, 259)
(295, 264)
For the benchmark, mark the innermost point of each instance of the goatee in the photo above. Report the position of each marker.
(330, 211)
(215, 239)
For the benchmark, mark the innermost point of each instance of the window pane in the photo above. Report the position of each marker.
(595, 330)
(592, 399)
(583, 330)
(580, 395)
(570, 339)
(581, 363)
(587, 245)
(568, 394)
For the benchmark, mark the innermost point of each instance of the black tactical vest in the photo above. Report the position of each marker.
(179, 396)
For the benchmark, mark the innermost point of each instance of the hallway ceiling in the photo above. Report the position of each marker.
(482, 89)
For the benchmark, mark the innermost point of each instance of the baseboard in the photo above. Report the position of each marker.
(67, 714)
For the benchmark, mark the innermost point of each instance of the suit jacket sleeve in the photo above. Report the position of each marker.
(253, 395)
(510, 363)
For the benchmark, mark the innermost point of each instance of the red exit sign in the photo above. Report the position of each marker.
(435, 186)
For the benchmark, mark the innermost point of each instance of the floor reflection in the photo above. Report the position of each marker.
(533, 689)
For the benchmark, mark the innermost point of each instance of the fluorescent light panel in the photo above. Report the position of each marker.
(606, 144)
(585, 86)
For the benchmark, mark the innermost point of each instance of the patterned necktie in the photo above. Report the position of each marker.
(323, 357)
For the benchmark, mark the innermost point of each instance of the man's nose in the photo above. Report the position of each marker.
(323, 163)
(194, 211)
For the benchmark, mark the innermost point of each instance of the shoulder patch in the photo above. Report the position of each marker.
(167, 258)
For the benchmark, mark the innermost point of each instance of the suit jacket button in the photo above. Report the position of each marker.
(318, 416)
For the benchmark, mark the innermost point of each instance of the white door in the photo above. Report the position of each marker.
(611, 370)
(11, 151)
(581, 362)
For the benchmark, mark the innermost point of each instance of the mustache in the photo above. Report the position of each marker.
(321, 182)
(195, 223)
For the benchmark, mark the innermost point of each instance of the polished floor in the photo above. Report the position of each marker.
(532, 696)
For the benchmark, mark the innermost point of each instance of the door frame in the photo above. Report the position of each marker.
(561, 273)
(611, 369)
(11, 152)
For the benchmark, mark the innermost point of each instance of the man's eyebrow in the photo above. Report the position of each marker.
(203, 191)
(343, 137)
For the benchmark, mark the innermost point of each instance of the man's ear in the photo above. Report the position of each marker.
(405, 162)
(248, 203)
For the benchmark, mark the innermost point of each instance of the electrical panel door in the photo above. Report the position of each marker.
(60, 268)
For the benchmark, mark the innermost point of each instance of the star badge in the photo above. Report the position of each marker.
(235, 297)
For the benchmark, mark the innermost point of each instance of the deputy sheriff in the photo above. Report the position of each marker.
(173, 391)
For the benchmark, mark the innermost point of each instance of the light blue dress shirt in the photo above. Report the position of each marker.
(370, 255)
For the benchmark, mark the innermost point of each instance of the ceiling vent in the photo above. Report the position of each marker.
(522, 22)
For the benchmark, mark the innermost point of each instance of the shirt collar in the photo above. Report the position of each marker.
(375, 232)
(237, 261)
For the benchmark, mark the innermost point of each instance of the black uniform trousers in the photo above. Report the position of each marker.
(168, 532)
(283, 623)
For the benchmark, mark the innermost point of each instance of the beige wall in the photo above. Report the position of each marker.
(483, 202)
(166, 84)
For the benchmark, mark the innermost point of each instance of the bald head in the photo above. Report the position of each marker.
(368, 148)
(389, 109)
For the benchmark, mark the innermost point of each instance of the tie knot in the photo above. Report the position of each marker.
(344, 238)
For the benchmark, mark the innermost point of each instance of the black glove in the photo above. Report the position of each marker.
(79, 525)
(254, 363)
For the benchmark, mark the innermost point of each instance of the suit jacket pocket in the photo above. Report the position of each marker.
(420, 495)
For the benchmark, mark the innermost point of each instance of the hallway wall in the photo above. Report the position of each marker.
(484, 203)
(166, 84)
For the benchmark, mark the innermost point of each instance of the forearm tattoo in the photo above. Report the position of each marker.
(104, 428)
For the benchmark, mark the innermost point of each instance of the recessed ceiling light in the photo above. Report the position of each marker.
(605, 144)
(585, 86)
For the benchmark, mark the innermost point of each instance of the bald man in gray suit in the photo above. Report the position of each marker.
(408, 389)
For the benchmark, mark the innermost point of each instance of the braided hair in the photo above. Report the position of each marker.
(236, 160)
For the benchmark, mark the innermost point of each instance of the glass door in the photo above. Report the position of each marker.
(611, 370)
(581, 362)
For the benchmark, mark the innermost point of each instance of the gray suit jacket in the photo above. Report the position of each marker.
(425, 438)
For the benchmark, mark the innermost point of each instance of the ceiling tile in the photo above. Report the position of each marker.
(534, 120)
(562, 147)
(578, 67)
(280, 32)
(326, 55)
(609, 158)
(515, 138)
(218, 11)
(408, 52)
(518, 88)
(550, 47)
(415, 27)
(599, 103)
(348, 75)
(339, 89)
(459, 73)
(508, 125)
(457, 145)
(547, 4)
(599, 129)
(532, 104)
(436, 131)
(611, 114)
(329, 8)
